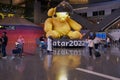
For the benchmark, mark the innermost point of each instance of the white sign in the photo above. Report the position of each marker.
(68, 43)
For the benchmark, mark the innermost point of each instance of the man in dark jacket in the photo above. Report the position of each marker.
(4, 44)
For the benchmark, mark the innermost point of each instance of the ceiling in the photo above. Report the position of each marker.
(9, 1)
(73, 1)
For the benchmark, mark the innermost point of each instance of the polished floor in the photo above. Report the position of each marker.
(64, 64)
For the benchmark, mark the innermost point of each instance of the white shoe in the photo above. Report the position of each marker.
(12, 57)
(4, 57)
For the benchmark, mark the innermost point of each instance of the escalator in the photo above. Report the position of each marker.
(108, 21)
(83, 21)
(102, 26)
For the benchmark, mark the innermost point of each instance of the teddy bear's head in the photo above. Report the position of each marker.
(62, 10)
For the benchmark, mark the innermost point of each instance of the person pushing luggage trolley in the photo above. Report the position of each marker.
(17, 51)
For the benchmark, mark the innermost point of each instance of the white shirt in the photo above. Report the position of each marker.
(90, 43)
(96, 40)
(108, 39)
(20, 40)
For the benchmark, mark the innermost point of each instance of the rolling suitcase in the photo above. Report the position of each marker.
(97, 54)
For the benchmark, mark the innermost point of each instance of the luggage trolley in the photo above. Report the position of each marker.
(18, 49)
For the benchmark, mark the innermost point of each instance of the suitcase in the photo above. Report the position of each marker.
(16, 51)
(97, 54)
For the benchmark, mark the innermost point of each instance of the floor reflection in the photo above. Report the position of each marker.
(19, 67)
(59, 66)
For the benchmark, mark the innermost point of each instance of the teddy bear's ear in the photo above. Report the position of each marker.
(51, 11)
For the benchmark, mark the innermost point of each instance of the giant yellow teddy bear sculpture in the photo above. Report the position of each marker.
(60, 24)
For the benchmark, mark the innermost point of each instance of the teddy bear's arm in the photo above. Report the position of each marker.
(74, 25)
(48, 25)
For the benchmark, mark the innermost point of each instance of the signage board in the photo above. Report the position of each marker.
(68, 43)
(7, 27)
(101, 35)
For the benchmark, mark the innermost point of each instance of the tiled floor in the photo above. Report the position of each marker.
(64, 64)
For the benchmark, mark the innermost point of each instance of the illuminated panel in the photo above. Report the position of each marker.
(17, 1)
(79, 1)
(101, 35)
(7, 27)
(14, 2)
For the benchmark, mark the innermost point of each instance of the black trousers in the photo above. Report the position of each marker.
(90, 50)
(96, 46)
(4, 50)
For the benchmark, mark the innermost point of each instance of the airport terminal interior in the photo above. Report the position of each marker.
(69, 58)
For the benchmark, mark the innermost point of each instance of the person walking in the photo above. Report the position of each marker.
(108, 42)
(90, 46)
(4, 44)
(96, 43)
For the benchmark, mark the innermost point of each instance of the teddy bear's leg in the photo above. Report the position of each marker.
(75, 35)
(54, 34)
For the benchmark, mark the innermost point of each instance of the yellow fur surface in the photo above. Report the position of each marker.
(61, 26)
